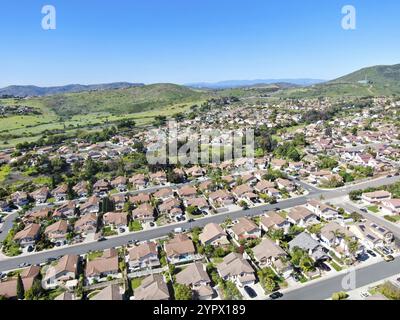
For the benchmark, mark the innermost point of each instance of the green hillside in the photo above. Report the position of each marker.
(122, 101)
(379, 75)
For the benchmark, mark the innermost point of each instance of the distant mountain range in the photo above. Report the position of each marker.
(29, 91)
(249, 83)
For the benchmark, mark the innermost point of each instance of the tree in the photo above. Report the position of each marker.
(269, 284)
(35, 291)
(20, 288)
(182, 292)
(339, 295)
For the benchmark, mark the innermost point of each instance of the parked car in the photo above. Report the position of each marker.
(250, 292)
(101, 239)
(190, 220)
(323, 266)
(371, 253)
(152, 224)
(388, 258)
(276, 295)
(24, 264)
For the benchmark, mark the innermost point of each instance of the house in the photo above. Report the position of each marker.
(119, 201)
(57, 232)
(86, 224)
(213, 235)
(273, 221)
(164, 194)
(158, 178)
(104, 266)
(245, 229)
(168, 205)
(20, 198)
(116, 219)
(119, 183)
(239, 191)
(143, 256)
(8, 289)
(390, 207)
(196, 277)
(221, 198)
(302, 217)
(138, 181)
(368, 239)
(195, 172)
(235, 268)
(81, 189)
(60, 193)
(334, 236)
(267, 252)
(198, 202)
(28, 236)
(376, 196)
(92, 205)
(109, 293)
(144, 213)
(35, 216)
(187, 191)
(179, 249)
(207, 185)
(66, 210)
(322, 210)
(307, 243)
(152, 287)
(285, 184)
(140, 198)
(275, 193)
(278, 164)
(66, 269)
(101, 187)
(263, 186)
(40, 195)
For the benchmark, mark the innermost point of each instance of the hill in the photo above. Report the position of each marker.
(371, 81)
(34, 91)
(122, 101)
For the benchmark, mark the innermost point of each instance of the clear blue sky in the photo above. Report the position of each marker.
(184, 41)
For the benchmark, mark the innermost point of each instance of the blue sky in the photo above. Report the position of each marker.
(184, 41)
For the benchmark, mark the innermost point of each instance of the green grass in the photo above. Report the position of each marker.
(4, 172)
(95, 254)
(136, 282)
(135, 225)
(374, 209)
(393, 219)
(335, 266)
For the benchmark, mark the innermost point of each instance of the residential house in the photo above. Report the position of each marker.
(187, 191)
(307, 243)
(138, 181)
(81, 189)
(158, 178)
(101, 187)
(40, 195)
(8, 288)
(152, 287)
(28, 236)
(221, 198)
(285, 184)
(143, 256)
(87, 224)
(65, 270)
(263, 186)
(179, 249)
(164, 194)
(213, 235)
(273, 221)
(66, 210)
(92, 205)
(245, 229)
(235, 268)
(102, 267)
(144, 213)
(116, 219)
(336, 237)
(195, 276)
(267, 252)
(376, 196)
(60, 193)
(302, 217)
(140, 198)
(119, 201)
(113, 292)
(120, 183)
(20, 198)
(390, 207)
(322, 210)
(57, 232)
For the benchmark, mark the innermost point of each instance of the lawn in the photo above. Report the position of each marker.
(4, 172)
(136, 282)
(374, 209)
(335, 266)
(135, 225)
(95, 254)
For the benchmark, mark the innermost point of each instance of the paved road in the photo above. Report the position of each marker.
(40, 257)
(7, 225)
(323, 289)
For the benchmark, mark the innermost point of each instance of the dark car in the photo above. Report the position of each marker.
(250, 292)
(276, 295)
(101, 239)
(371, 253)
(190, 220)
(323, 266)
(397, 174)
(389, 176)
(152, 224)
